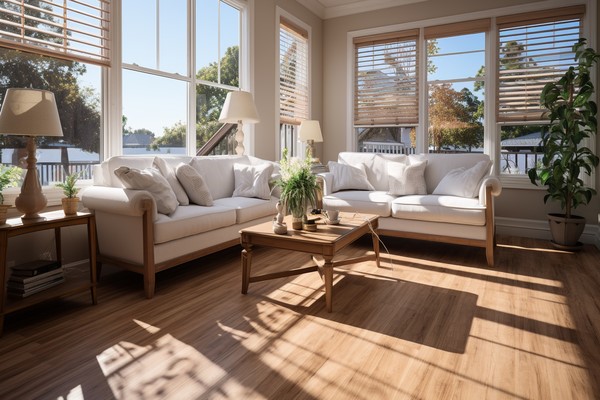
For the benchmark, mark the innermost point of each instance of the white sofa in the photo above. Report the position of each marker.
(133, 235)
(435, 217)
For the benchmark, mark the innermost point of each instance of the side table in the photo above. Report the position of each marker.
(75, 281)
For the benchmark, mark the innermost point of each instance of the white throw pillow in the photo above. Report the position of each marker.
(406, 178)
(169, 173)
(252, 180)
(194, 185)
(349, 177)
(150, 179)
(463, 182)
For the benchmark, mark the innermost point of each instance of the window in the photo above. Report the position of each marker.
(533, 49)
(455, 79)
(386, 91)
(159, 77)
(293, 82)
(61, 48)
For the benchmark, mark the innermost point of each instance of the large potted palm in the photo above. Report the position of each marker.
(572, 114)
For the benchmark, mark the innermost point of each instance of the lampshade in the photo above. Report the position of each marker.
(310, 130)
(29, 112)
(239, 106)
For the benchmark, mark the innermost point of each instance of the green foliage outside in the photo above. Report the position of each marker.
(9, 177)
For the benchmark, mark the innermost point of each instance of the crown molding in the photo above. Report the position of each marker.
(351, 7)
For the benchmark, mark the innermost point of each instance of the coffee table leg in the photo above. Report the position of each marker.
(328, 275)
(246, 263)
(376, 248)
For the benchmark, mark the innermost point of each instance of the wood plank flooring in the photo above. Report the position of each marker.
(432, 323)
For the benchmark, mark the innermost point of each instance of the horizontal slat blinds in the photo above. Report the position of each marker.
(293, 74)
(458, 28)
(386, 89)
(75, 30)
(533, 49)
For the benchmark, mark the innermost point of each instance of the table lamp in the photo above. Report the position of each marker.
(31, 113)
(310, 132)
(239, 108)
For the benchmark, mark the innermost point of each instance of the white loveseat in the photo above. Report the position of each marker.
(133, 235)
(465, 216)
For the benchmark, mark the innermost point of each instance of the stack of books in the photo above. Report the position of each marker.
(33, 277)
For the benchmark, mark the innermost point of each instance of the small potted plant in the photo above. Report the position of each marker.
(70, 202)
(9, 177)
(572, 114)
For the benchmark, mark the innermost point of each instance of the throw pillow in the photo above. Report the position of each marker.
(406, 178)
(252, 180)
(149, 179)
(349, 177)
(169, 173)
(463, 182)
(194, 185)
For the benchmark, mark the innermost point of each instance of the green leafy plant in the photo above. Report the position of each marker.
(68, 185)
(572, 120)
(9, 177)
(297, 183)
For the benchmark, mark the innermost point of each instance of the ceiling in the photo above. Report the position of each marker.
(326, 9)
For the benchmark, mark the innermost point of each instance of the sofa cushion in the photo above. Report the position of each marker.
(169, 173)
(194, 185)
(407, 177)
(248, 208)
(191, 220)
(252, 180)
(151, 180)
(372, 202)
(451, 209)
(463, 182)
(375, 165)
(349, 177)
(217, 172)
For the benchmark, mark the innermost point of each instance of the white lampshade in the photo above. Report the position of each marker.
(29, 112)
(239, 106)
(310, 130)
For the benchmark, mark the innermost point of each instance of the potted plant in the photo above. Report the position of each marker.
(572, 120)
(298, 186)
(70, 203)
(9, 177)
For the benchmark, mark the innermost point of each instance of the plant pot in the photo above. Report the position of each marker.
(566, 231)
(70, 205)
(3, 211)
(297, 223)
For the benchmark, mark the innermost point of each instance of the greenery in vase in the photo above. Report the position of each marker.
(297, 183)
(68, 186)
(572, 119)
(9, 177)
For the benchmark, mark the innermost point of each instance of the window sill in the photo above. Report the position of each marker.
(518, 182)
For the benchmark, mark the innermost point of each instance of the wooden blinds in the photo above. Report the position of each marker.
(385, 85)
(533, 49)
(293, 73)
(75, 30)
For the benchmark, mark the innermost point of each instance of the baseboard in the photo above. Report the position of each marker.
(85, 261)
(539, 229)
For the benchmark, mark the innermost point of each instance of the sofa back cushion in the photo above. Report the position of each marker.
(375, 166)
(438, 165)
(104, 176)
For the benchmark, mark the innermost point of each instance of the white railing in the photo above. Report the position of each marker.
(383, 147)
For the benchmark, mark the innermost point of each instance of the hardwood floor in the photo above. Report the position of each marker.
(432, 323)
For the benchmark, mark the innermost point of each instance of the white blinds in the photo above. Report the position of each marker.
(293, 74)
(70, 29)
(385, 85)
(533, 49)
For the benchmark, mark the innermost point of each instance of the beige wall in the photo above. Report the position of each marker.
(265, 71)
(513, 203)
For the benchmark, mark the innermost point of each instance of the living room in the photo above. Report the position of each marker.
(289, 312)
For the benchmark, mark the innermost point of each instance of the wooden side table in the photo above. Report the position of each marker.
(75, 280)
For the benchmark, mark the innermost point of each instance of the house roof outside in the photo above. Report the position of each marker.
(531, 140)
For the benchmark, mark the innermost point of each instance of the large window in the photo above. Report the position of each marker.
(386, 91)
(60, 47)
(293, 82)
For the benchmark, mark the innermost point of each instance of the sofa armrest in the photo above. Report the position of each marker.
(327, 182)
(496, 188)
(119, 201)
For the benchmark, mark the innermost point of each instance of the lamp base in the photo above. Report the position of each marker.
(31, 200)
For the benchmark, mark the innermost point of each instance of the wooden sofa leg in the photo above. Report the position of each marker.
(149, 285)
(489, 253)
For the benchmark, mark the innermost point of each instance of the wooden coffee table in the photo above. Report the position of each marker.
(323, 244)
